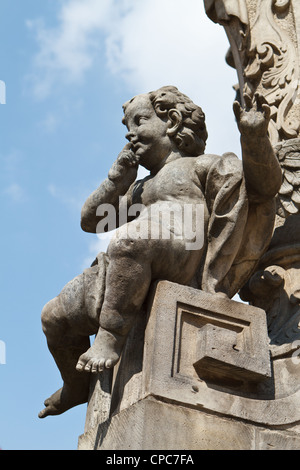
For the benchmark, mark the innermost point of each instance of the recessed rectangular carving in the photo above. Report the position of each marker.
(210, 344)
(220, 353)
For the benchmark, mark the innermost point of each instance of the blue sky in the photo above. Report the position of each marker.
(68, 67)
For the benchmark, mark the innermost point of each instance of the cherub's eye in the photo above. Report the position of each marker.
(141, 119)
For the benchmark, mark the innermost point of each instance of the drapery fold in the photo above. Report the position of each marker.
(239, 230)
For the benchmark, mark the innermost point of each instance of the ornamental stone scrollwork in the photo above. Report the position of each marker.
(273, 67)
(264, 51)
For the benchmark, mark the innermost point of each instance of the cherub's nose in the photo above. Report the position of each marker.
(129, 136)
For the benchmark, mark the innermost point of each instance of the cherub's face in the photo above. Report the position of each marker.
(147, 132)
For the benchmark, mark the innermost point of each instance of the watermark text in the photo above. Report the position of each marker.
(159, 221)
(2, 353)
(2, 92)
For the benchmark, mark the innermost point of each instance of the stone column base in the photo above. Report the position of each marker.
(152, 424)
(196, 374)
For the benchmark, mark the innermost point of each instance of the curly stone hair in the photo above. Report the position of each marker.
(191, 135)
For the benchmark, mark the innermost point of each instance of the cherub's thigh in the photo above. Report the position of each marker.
(154, 244)
(82, 300)
(171, 257)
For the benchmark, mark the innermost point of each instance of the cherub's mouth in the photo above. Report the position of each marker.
(135, 146)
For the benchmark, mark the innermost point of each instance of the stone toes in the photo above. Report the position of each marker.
(89, 365)
(94, 365)
(101, 365)
(80, 366)
(94, 368)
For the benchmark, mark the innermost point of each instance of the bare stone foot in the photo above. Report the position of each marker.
(64, 399)
(104, 353)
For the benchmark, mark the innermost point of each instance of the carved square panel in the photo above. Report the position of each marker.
(212, 344)
(194, 338)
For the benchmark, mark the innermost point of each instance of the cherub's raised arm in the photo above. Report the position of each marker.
(262, 171)
(120, 177)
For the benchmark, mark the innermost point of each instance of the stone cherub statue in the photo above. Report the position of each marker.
(167, 135)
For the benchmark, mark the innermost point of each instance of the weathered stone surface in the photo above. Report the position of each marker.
(99, 407)
(161, 389)
(275, 286)
(173, 344)
(156, 425)
(276, 440)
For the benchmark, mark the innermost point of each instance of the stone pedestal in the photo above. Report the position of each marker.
(196, 374)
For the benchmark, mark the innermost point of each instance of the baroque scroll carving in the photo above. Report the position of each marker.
(273, 67)
(265, 56)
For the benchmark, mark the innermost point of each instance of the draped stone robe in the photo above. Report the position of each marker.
(239, 230)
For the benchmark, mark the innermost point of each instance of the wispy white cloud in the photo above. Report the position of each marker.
(11, 187)
(144, 42)
(50, 123)
(168, 41)
(145, 45)
(11, 161)
(15, 192)
(67, 51)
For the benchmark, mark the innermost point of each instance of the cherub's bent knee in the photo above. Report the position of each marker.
(52, 317)
(131, 247)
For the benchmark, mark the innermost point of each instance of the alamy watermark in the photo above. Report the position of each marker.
(2, 353)
(160, 221)
(2, 92)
